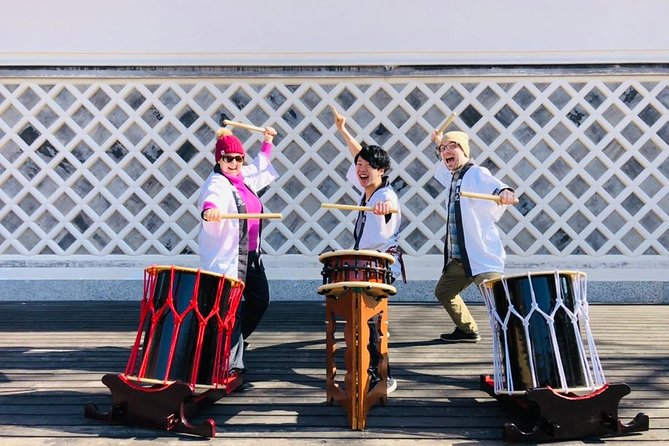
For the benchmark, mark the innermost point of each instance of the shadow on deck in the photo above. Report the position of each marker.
(53, 355)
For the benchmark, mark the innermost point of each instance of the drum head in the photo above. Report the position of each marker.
(357, 253)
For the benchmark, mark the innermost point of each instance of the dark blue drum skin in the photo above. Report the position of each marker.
(156, 351)
(543, 353)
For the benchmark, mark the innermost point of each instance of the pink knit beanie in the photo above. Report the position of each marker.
(227, 143)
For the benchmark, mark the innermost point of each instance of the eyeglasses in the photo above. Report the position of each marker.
(231, 158)
(447, 145)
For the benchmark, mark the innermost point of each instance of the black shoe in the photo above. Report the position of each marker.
(391, 384)
(237, 371)
(243, 387)
(374, 378)
(460, 336)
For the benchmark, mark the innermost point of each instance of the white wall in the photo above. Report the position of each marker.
(344, 32)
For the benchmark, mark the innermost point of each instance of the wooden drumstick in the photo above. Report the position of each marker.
(494, 198)
(446, 123)
(350, 207)
(248, 216)
(335, 112)
(253, 128)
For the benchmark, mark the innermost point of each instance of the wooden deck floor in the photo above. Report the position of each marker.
(52, 356)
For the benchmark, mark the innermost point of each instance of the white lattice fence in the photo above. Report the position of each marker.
(112, 167)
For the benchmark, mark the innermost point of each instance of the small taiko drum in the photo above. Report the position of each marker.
(344, 269)
(186, 320)
(541, 333)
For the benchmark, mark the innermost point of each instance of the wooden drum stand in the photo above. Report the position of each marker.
(355, 303)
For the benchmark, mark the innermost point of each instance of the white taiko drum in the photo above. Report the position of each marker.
(541, 333)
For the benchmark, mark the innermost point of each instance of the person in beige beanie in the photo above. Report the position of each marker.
(473, 250)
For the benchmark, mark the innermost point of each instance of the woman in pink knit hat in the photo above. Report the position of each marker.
(232, 246)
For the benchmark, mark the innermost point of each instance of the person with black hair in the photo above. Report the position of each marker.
(378, 231)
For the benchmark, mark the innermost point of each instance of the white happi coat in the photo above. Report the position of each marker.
(483, 249)
(219, 241)
(377, 235)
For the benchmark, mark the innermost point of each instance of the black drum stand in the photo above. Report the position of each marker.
(553, 416)
(167, 407)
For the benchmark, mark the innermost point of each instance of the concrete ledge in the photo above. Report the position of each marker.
(613, 279)
(624, 292)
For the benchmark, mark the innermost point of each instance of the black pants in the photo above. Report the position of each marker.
(256, 295)
(255, 301)
(373, 347)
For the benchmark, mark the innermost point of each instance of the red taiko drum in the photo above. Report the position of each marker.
(186, 320)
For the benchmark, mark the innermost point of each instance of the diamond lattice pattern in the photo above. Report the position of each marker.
(114, 167)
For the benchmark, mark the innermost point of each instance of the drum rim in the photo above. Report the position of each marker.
(357, 252)
(190, 270)
(356, 284)
(153, 381)
(580, 389)
(572, 273)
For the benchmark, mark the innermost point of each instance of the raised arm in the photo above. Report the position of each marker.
(353, 146)
(268, 137)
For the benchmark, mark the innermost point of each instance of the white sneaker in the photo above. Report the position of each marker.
(392, 385)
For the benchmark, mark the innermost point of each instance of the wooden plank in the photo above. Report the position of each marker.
(53, 355)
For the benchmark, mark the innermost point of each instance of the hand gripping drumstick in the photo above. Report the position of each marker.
(494, 198)
(253, 128)
(349, 207)
(446, 123)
